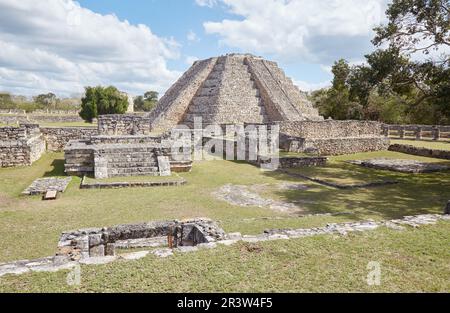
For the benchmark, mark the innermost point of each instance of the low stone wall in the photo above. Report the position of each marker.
(334, 146)
(98, 242)
(425, 152)
(124, 124)
(331, 129)
(434, 132)
(289, 162)
(54, 118)
(144, 184)
(20, 146)
(15, 118)
(12, 111)
(58, 137)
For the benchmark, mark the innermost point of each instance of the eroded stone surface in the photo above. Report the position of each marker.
(400, 165)
(42, 185)
(242, 196)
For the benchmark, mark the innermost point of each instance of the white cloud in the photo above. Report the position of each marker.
(58, 46)
(306, 86)
(314, 31)
(206, 3)
(192, 36)
(190, 60)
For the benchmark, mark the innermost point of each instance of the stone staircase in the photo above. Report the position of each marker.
(136, 160)
(228, 96)
(295, 96)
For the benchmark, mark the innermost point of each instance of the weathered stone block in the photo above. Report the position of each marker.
(97, 251)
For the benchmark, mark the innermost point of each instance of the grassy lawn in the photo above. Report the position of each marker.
(411, 261)
(30, 228)
(439, 145)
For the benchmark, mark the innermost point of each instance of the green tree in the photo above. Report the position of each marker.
(335, 102)
(48, 100)
(146, 102)
(102, 100)
(395, 85)
(6, 101)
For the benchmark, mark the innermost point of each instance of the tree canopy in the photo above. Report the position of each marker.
(146, 102)
(102, 100)
(407, 78)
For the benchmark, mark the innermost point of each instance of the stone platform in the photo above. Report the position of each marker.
(42, 185)
(399, 165)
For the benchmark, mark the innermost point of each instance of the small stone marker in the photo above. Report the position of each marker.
(164, 166)
(447, 208)
(51, 195)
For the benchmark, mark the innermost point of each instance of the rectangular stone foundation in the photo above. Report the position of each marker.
(335, 146)
(332, 137)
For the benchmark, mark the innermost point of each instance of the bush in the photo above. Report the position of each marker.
(100, 100)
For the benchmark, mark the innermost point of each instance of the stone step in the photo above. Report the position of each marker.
(135, 170)
(132, 165)
(224, 119)
(217, 110)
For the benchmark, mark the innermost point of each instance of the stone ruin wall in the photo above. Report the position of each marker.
(124, 124)
(332, 137)
(425, 152)
(20, 146)
(434, 132)
(57, 137)
(15, 117)
(110, 156)
(331, 129)
(173, 105)
(98, 242)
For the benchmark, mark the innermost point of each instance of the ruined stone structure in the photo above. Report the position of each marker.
(232, 89)
(332, 137)
(99, 242)
(434, 132)
(57, 137)
(244, 89)
(236, 89)
(420, 151)
(14, 117)
(20, 145)
(123, 147)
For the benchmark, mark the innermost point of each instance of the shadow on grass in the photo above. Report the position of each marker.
(414, 194)
(57, 169)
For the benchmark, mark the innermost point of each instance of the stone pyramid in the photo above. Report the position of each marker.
(232, 89)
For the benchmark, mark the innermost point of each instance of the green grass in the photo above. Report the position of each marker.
(30, 228)
(410, 261)
(439, 145)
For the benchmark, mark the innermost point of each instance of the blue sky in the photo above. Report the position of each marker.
(137, 45)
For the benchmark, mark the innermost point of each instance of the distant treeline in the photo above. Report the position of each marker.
(40, 102)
